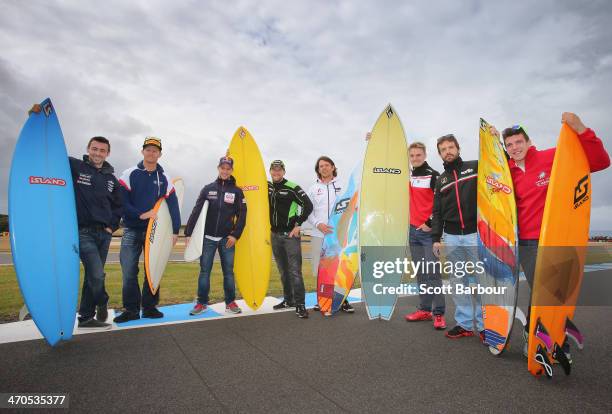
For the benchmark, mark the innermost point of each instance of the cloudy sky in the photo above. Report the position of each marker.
(306, 78)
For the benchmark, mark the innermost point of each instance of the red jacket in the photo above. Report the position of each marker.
(530, 186)
(422, 184)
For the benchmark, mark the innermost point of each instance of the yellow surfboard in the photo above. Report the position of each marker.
(253, 258)
(383, 212)
(561, 256)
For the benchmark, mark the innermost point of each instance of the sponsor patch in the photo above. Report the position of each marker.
(110, 185)
(84, 179)
(47, 181)
(229, 198)
(469, 170)
(542, 179)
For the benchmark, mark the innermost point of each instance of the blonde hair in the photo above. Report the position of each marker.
(418, 145)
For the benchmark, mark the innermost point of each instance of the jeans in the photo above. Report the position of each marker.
(227, 266)
(421, 251)
(132, 244)
(93, 249)
(528, 253)
(460, 249)
(288, 256)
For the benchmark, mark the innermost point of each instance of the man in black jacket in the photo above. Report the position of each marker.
(289, 208)
(454, 217)
(225, 221)
(98, 204)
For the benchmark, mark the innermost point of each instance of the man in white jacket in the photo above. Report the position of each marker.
(323, 196)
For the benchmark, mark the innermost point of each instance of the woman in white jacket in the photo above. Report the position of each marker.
(323, 196)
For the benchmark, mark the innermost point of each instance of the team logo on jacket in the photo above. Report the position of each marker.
(496, 186)
(581, 192)
(47, 181)
(444, 180)
(229, 198)
(385, 170)
(84, 179)
(110, 185)
(542, 180)
(469, 170)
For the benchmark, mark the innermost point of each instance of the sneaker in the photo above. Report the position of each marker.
(458, 332)
(283, 305)
(126, 316)
(316, 308)
(346, 307)
(102, 313)
(301, 311)
(439, 322)
(94, 324)
(419, 315)
(198, 309)
(232, 308)
(152, 313)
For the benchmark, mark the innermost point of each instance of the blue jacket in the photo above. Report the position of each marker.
(141, 189)
(97, 194)
(227, 209)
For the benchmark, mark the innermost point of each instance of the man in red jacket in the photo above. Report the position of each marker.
(530, 169)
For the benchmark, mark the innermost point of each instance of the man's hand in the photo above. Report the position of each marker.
(324, 228)
(149, 214)
(424, 227)
(573, 121)
(174, 239)
(231, 241)
(35, 108)
(368, 136)
(493, 131)
(108, 230)
(295, 232)
(436, 249)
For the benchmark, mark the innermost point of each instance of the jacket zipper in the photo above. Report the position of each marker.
(458, 202)
(219, 212)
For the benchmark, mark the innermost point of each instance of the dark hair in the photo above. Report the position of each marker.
(327, 159)
(514, 130)
(99, 139)
(447, 138)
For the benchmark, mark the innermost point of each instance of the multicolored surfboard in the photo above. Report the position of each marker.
(383, 213)
(339, 263)
(497, 240)
(561, 257)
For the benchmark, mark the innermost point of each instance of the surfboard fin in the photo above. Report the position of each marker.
(23, 312)
(520, 315)
(572, 332)
(542, 334)
(542, 358)
(561, 358)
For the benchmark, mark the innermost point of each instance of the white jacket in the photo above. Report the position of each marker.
(323, 197)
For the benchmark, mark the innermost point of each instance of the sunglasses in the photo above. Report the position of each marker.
(513, 130)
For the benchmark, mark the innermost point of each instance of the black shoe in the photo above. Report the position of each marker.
(126, 317)
(316, 308)
(102, 313)
(283, 305)
(301, 311)
(346, 307)
(93, 324)
(152, 313)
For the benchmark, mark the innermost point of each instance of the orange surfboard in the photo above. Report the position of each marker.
(561, 257)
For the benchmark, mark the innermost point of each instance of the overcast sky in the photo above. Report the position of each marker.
(306, 78)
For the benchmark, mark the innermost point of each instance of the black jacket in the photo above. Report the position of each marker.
(96, 192)
(289, 206)
(227, 209)
(454, 210)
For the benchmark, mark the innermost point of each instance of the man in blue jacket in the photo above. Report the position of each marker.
(141, 187)
(98, 203)
(225, 220)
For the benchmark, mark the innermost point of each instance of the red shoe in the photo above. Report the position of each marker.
(439, 322)
(482, 337)
(419, 315)
(458, 332)
(232, 308)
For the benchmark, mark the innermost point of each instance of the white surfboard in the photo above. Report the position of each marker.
(158, 242)
(193, 251)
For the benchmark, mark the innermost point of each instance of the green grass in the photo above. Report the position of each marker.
(179, 285)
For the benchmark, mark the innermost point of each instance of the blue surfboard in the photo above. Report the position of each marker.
(43, 225)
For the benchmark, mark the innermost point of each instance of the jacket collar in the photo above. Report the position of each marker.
(141, 167)
(453, 165)
(105, 169)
